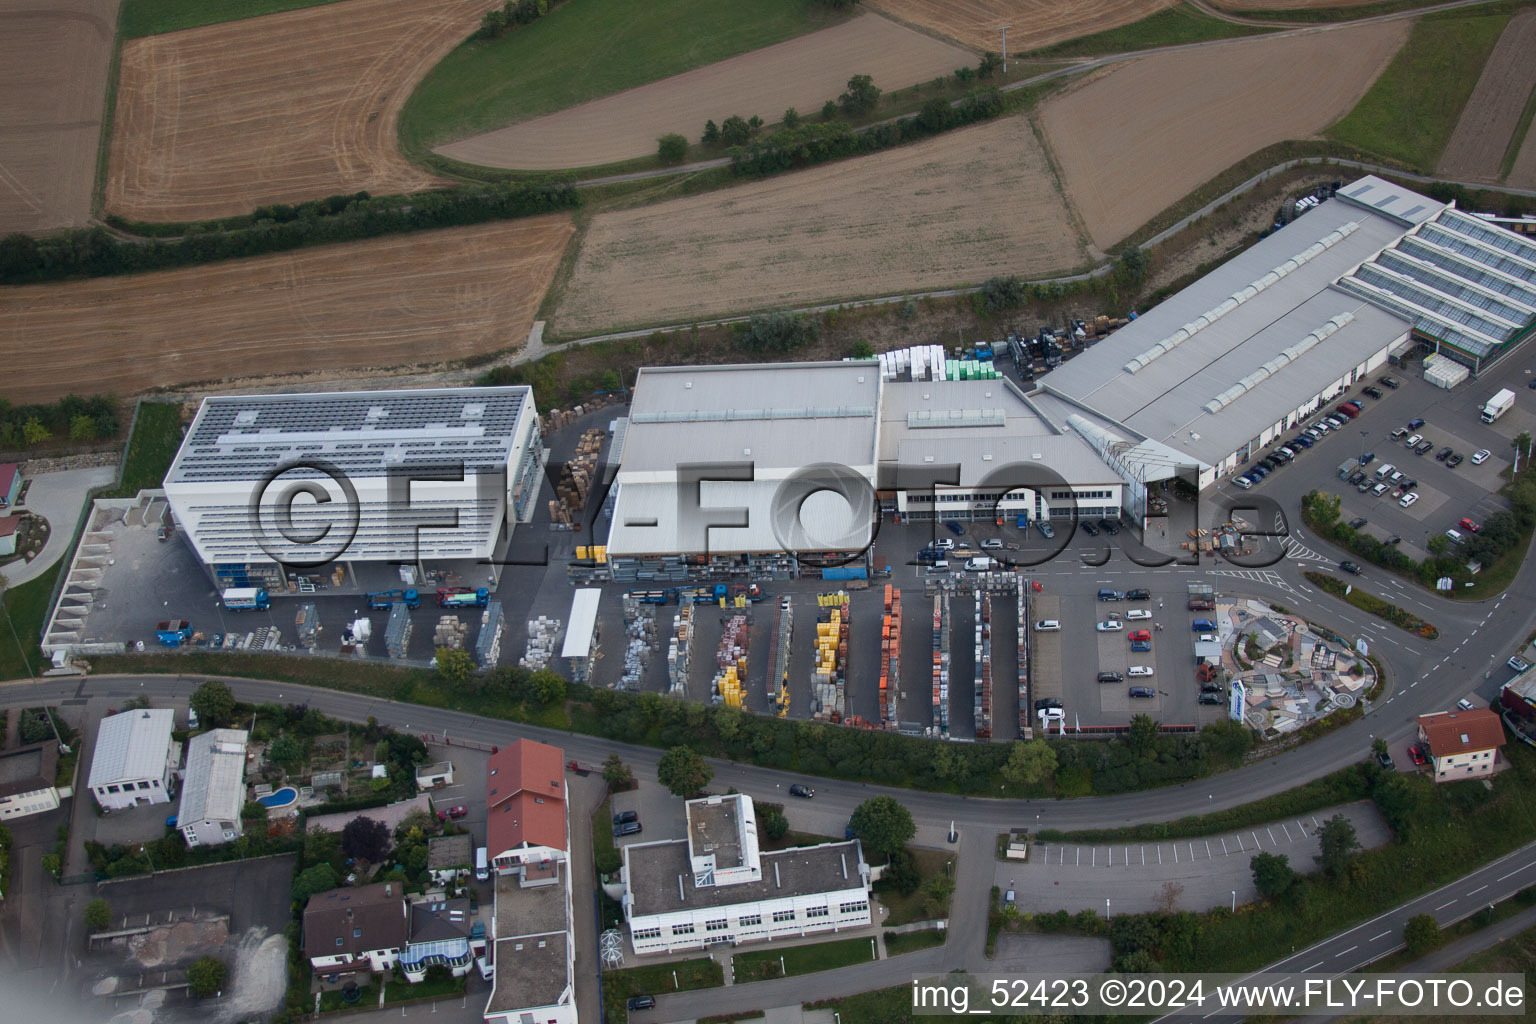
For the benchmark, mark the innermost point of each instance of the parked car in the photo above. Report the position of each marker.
(1407, 484)
(1415, 424)
(1046, 529)
(1143, 691)
(1350, 567)
(625, 817)
(1241, 482)
(1388, 382)
(1480, 456)
(1470, 526)
(1106, 594)
(1413, 440)
(1396, 477)
(1337, 422)
(1110, 626)
(1416, 755)
(1357, 477)
(1141, 646)
(1347, 411)
(1422, 447)
(1373, 392)
(1109, 526)
(1394, 539)
(642, 1002)
(1141, 634)
(1363, 486)
(1048, 626)
(1357, 522)
(1379, 490)
(1399, 433)
(1111, 677)
(1465, 704)
(992, 544)
(954, 527)
(455, 812)
(1385, 760)
(1093, 531)
(1138, 594)
(1138, 613)
(803, 792)
(1455, 536)
(944, 544)
(1408, 499)
(1367, 458)
(1212, 698)
(1140, 671)
(629, 828)
(1444, 453)
(1519, 664)
(1202, 626)
(1322, 426)
(1304, 440)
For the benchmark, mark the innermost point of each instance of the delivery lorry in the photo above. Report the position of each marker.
(1498, 405)
(246, 599)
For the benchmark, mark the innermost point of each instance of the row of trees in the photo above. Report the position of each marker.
(96, 252)
(509, 15)
(78, 419)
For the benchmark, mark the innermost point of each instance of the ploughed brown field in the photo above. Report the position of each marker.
(404, 300)
(802, 73)
(953, 210)
(53, 84)
(1033, 23)
(215, 121)
(1138, 137)
(1476, 149)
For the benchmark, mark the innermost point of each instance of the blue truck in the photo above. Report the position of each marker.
(463, 597)
(174, 632)
(381, 599)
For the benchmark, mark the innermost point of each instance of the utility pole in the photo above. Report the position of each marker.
(1005, 48)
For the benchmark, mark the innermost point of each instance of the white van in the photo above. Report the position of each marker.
(980, 564)
(1048, 626)
(1385, 470)
(482, 869)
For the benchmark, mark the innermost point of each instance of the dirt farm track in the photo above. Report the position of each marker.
(957, 209)
(1032, 23)
(214, 121)
(54, 56)
(1135, 139)
(404, 300)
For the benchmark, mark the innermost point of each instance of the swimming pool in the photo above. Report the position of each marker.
(282, 798)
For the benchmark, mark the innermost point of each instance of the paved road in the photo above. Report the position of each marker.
(1350, 950)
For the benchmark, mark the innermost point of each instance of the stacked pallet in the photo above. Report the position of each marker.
(678, 650)
(576, 476)
(731, 662)
(542, 634)
(450, 632)
(1023, 656)
(307, 622)
(890, 657)
(397, 632)
(981, 705)
(639, 639)
(830, 663)
(940, 725)
(488, 643)
(778, 672)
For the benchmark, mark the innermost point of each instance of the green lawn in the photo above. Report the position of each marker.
(156, 436)
(398, 990)
(763, 964)
(151, 17)
(1409, 114)
(910, 942)
(1169, 27)
(585, 49)
(331, 999)
(25, 607)
(915, 906)
(654, 979)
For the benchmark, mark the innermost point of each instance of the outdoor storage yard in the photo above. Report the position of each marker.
(53, 77)
(1033, 23)
(1493, 114)
(803, 73)
(215, 121)
(953, 210)
(407, 299)
(1189, 115)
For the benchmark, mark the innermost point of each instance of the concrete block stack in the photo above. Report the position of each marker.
(450, 632)
(679, 650)
(488, 644)
(981, 705)
(542, 634)
(778, 670)
(397, 632)
(731, 662)
(940, 725)
(890, 657)
(639, 640)
(830, 664)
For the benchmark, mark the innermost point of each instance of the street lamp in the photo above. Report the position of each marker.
(1234, 901)
(1106, 908)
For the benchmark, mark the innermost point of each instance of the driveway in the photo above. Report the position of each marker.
(60, 499)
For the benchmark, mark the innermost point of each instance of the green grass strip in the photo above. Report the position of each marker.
(152, 17)
(1170, 27)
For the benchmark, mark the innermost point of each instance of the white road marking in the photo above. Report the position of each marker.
(1444, 905)
(1479, 889)
(1373, 938)
(1351, 949)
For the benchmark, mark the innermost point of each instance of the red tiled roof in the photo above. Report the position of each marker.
(1460, 732)
(8, 471)
(8, 524)
(525, 797)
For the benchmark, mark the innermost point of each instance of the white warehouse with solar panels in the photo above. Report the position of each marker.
(1248, 352)
(411, 476)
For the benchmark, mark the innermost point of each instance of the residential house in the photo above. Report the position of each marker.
(27, 780)
(450, 858)
(715, 885)
(442, 932)
(10, 483)
(1461, 744)
(135, 760)
(356, 929)
(525, 810)
(10, 527)
(213, 789)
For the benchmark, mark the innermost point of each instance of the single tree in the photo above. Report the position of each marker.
(545, 689)
(711, 133)
(672, 148)
(754, 125)
(861, 97)
(882, 824)
(863, 350)
(206, 977)
(1339, 843)
(734, 131)
(98, 914)
(1168, 897)
(775, 826)
(318, 878)
(214, 704)
(1272, 874)
(1422, 934)
(991, 64)
(617, 774)
(1378, 746)
(938, 890)
(829, 110)
(454, 665)
(792, 118)
(365, 839)
(683, 771)
(1029, 764)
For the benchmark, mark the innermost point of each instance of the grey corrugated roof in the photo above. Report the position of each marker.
(132, 745)
(652, 871)
(822, 524)
(214, 786)
(243, 437)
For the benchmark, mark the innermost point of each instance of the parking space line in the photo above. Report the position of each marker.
(1207, 850)
(1223, 847)
(1256, 843)
(1271, 834)
(1240, 847)
(1159, 853)
(1095, 861)
(1287, 833)
(1079, 857)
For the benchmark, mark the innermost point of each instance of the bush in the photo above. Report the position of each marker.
(777, 332)
(98, 915)
(672, 148)
(80, 419)
(1422, 935)
(206, 977)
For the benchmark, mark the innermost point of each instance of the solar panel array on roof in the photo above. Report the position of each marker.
(364, 433)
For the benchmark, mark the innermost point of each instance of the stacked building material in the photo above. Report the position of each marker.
(778, 669)
(397, 633)
(639, 640)
(940, 725)
(830, 664)
(488, 644)
(678, 650)
(890, 657)
(982, 702)
(542, 634)
(576, 476)
(731, 662)
(307, 622)
(450, 632)
(1022, 598)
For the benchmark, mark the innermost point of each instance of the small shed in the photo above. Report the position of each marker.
(9, 527)
(434, 776)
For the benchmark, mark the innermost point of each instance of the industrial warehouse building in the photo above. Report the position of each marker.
(410, 476)
(753, 467)
(1226, 366)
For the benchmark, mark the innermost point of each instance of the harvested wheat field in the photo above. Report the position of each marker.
(802, 73)
(217, 120)
(53, 84)
(953, 210)
(1032, 23)
(1143, 135)
(1475, 151)
(1291, 5)
(406, 299)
